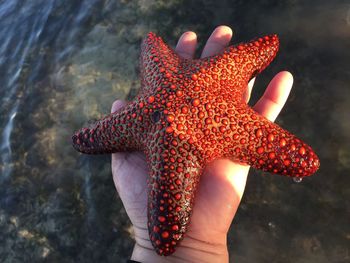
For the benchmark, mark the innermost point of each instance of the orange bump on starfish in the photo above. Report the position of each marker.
(187, 114)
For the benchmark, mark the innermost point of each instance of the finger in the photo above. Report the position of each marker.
(218, 40)
(275, 96)
(186, 45)
(248, 91)
(117, 105)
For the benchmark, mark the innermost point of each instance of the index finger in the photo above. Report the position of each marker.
(186, 46)
(218, 40)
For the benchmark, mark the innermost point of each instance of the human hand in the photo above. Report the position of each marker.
(222, 183)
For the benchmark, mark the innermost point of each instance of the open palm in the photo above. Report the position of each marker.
(222, 183)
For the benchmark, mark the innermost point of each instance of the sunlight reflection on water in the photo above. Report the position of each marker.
(5, 147)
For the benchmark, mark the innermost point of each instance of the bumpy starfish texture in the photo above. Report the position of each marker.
(187, 114)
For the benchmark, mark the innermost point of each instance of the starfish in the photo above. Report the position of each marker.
(187, 114)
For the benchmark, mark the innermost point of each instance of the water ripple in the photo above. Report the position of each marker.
(35, 35)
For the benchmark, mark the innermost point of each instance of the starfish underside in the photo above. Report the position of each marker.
(187, 114)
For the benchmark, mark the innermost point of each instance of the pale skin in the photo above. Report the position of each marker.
(222, 183)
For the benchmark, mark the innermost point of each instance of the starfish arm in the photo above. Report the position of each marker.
(254, 56)
(230, 71)
(174, 176)
(158, 61)
(266, 146)
(114, 133)
(244, 61)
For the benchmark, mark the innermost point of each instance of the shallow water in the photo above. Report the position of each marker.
(65, 62)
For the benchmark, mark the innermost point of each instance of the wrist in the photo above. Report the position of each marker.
(190, 249)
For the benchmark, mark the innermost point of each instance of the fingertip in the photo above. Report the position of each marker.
(218, 40)
(275, 96)
(186, 45)
(286, 77)
(280, 86)
(286, 74)
(224, 30)
(188, 36)
(117, 105)
(222, 35)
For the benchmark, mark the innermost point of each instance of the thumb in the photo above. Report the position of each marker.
(219, 194)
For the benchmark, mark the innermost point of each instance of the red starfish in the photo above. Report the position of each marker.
(188, 113)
